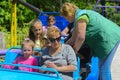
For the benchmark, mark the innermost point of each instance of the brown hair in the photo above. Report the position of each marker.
(50, 17)
(68, 9)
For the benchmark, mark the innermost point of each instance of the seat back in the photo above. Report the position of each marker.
(94, 68)
(61, 22)
(11, 54)
(76, 73)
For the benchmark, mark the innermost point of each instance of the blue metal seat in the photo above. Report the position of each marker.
(11, 56)
(25, 75)
(93, 75)
(94, 68)
(12, 53)
(61, 22)
(76, 73)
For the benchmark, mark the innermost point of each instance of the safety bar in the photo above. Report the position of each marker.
(35, 67)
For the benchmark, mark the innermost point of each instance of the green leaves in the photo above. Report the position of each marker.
(25, 15)
(4, 14)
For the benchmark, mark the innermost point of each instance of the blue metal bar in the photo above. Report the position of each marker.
(46, 13)
(113, 0)
(96, 4)
(35, 67)
(109, 6)
(26, 4)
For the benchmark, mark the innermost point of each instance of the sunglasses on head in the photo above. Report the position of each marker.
(54, 39)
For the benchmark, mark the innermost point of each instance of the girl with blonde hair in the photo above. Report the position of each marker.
(26, 58)
(36, 34)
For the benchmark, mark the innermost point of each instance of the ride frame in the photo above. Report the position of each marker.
(13, 4)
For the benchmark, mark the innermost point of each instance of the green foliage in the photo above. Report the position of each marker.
(47, 5)
(5, 14)
(25, 15)
(110, 11)
(85, 4)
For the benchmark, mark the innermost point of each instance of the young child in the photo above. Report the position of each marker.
(51, 22)
(36, 34)
(26, 59)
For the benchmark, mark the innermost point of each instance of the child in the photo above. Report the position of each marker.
(51, 22)
(26, 58)
(36, 34)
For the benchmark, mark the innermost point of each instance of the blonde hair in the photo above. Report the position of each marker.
(43, 41)
(35, 21)
(52, 31)
(68, 9)
(32, 24)
(29, 43)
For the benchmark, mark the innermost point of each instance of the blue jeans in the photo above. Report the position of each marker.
(105, 65)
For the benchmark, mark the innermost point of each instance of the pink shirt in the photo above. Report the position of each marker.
(21, 60)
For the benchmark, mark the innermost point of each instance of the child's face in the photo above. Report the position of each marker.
(27, 51)
(37, 30)
(51, 22)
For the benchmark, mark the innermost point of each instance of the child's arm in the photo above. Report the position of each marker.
(9, 66)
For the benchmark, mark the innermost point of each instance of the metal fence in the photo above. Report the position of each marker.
(2, 42)
(7, 40)
(109, 9)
